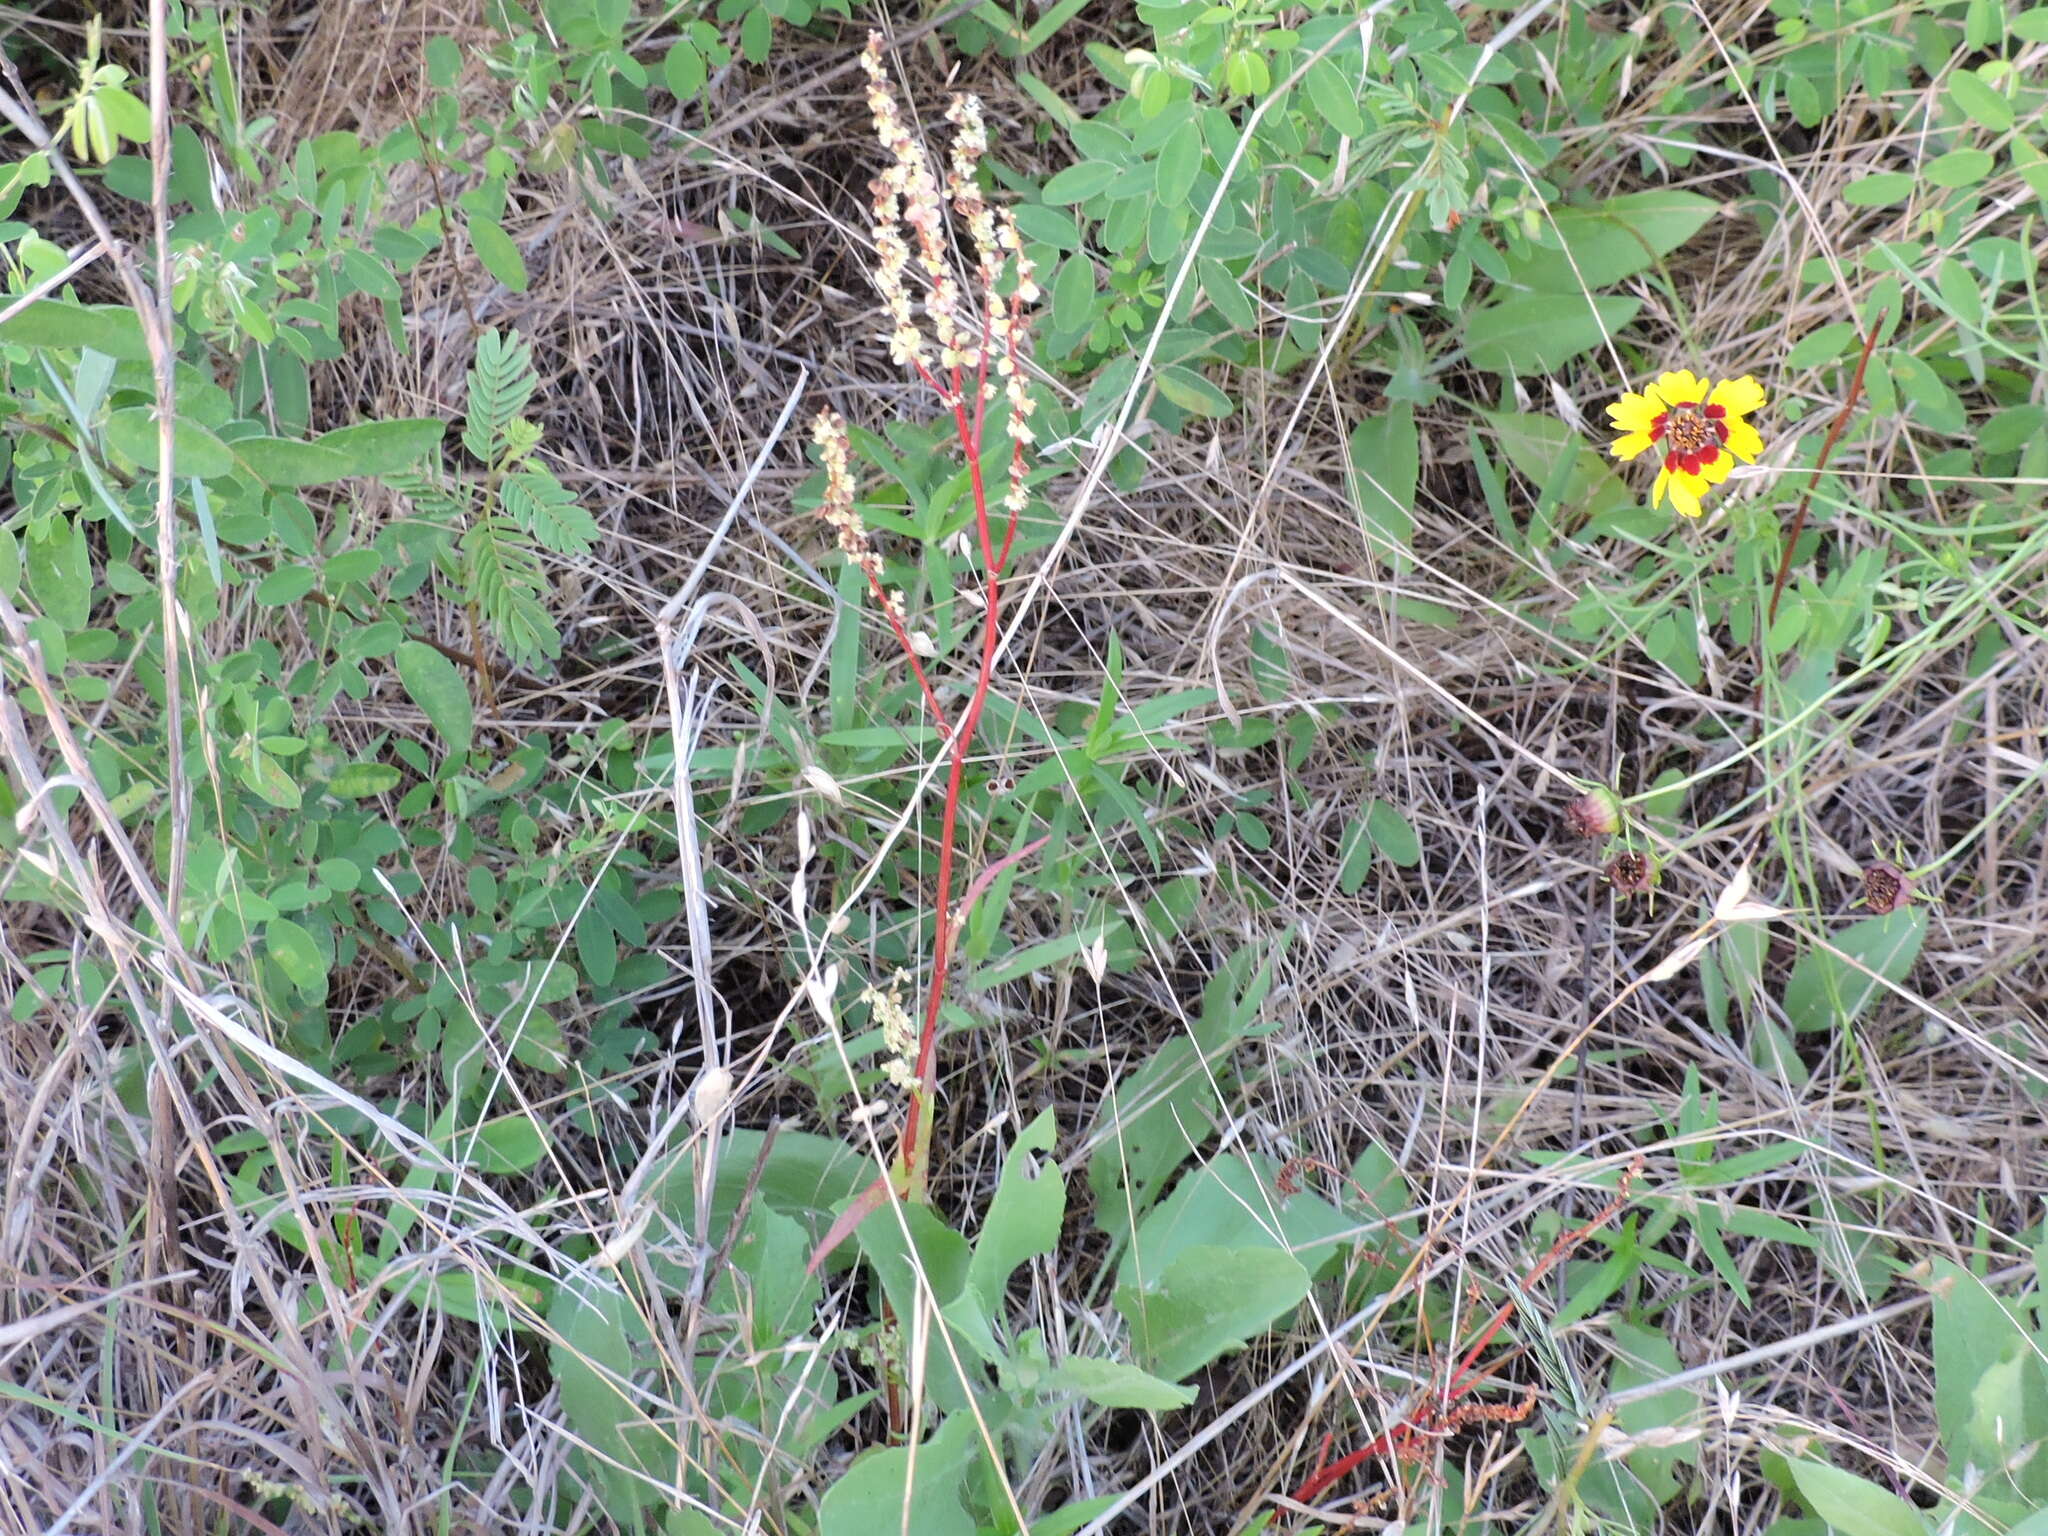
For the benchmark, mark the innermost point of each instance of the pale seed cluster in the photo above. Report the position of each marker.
(828, 431)
(899, 1033)
(908, 195)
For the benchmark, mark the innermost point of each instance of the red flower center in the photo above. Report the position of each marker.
(1692, 435)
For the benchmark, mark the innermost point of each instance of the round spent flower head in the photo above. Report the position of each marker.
(1886, 887)
(1700, 430)
(1632, 874)
(1596, 813)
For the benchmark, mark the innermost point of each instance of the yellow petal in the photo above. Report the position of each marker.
(1743, 441)
(1682, 387)
(1737, 396)
(1628, 447)
(1685, 498)
(1719, 470)
(1657, 495)
(1634, 413)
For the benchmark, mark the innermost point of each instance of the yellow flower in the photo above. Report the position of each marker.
(1700, 431)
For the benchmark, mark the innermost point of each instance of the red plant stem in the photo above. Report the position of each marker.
(917, 1119)
(1827, 449)
(1462, 1381)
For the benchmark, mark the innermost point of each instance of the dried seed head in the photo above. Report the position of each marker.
(1597, 813)
(1886, 888)
(1631, 874)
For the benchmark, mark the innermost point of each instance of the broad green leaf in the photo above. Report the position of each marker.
(1969, 94)
(1385, 466)
(1207, 1302)
(1179, 163)
(1959, 168)
(384, 447)
(914, 1489)
(1880, 189)
(113, 329)
(594, 1332)
(194, 451)
(1824, 992)
(297, 956)
(1354, 855)
(766, 1281)
(1852, 1505)
(1576, 479)
(1534, 333)
(1335, 98)
(684, 71)
(1584, 249)
(1148, 1127)
(505, 1145)
(443, 697)
(357, 781)
(498, 252)
(1115, 1384)
(285, 585)
(1023, 1220)
(1643, 1355)
(1235, 1202)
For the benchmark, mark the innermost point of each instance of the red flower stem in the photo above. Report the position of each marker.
(931, 699)
(917, 1124)
(1827, 449)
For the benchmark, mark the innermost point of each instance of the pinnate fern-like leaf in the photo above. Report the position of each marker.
(547, 509)
(503, 574)
(501, 381)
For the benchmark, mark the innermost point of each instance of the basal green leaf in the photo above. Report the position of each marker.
(1852, 1505)
(1582, 250)
(297, 956)
(1824, 992)
(1534, 333)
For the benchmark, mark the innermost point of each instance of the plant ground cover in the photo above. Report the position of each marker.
(1233, 933)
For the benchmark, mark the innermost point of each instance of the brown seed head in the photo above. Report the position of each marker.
(1886, 888)
(1631, 874)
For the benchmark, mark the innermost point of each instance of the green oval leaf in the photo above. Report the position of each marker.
(1589, 248)
(1969, 94)
(194, 451)
(1078, 183)
(1879, 190)
(297, 956)
(1852, 1505)
(113, 329)
(287, 461)
(384, 447)
(498, 252)
(443, 697)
